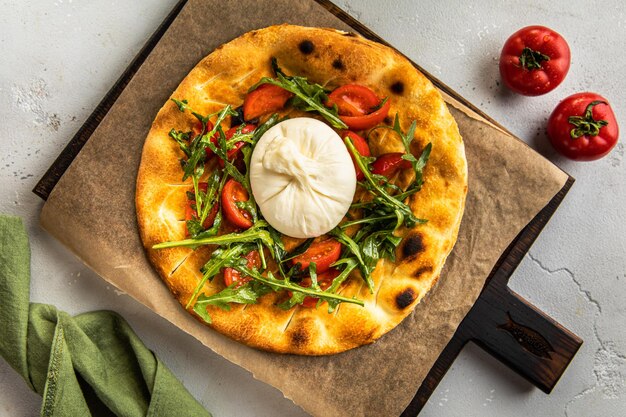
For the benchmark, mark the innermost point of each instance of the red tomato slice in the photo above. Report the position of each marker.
(265, 99)
(323, 253)
(361, 146)
(353, 100)
(324, 280)
(369, 120)
(232, 275)
(191, 213)
(231, 194)
(389, 163)
(357, 106)
(235, 153)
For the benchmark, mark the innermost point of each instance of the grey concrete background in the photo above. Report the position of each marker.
(59, 57)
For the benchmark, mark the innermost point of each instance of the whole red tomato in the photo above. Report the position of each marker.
(534, 60)
(583, 127)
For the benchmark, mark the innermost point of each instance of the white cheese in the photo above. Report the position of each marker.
(302, 177)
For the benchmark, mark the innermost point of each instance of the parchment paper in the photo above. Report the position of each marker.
(508, 184)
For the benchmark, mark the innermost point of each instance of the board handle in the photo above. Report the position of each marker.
(540, 352)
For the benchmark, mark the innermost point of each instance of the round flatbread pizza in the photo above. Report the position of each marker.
(301, 190)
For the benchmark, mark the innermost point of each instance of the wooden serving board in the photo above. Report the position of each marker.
(501, 322)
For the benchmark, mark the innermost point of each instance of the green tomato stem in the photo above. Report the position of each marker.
(586, 125)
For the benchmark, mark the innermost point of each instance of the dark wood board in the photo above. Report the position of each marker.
(501, 322)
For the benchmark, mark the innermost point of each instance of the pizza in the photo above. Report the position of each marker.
(301, 190)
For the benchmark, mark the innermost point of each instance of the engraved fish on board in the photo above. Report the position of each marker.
(528, 338)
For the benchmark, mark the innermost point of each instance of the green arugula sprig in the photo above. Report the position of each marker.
(407, 138)
(284, 284)
(194, 166)
(260, 285)
(248, 293)
(376, 185)
(220, 258)
(232, 247)
(195, 151)
(258, 231)
(207, 201)
(385, 213)
(308, 96)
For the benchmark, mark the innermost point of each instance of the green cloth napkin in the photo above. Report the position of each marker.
(92, 364)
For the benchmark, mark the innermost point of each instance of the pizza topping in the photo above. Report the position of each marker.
(231, 275)
(234, 199)
(361, 146)
(353, 100)
(302, 177)
(202, 213)
(261, 285)
(192, 221)
(385, 213)
(243, 135)
(390, 163)
(307, 96)
(322, 254)
(324, 281)
(267, 98)
(358, 106)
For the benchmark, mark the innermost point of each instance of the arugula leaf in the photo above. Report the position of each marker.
(279, 247)
(194, 227)
(195, 163)
(182, 138)
(256, 232)
(279, 284)
(295, 299)
(182, 104)
(206, 200)
(313, 275)
(372, 184)
(244, 294)
(354, 248)
(384, 213)
(350, 265)
(307, 96)
(219, 258)
(408, 137)
(418, 165)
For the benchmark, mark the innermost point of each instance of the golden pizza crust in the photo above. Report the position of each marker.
(330, 58)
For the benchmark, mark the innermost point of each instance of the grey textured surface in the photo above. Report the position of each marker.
(60, 57)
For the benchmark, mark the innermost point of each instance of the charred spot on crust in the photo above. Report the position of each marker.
(387, 120)
(413, 245)
(338, 64)
(300, 337)
(306, 47)
(422, 270)
(397, 87)
(405, 298)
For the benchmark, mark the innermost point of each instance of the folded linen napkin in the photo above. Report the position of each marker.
(92, 364)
